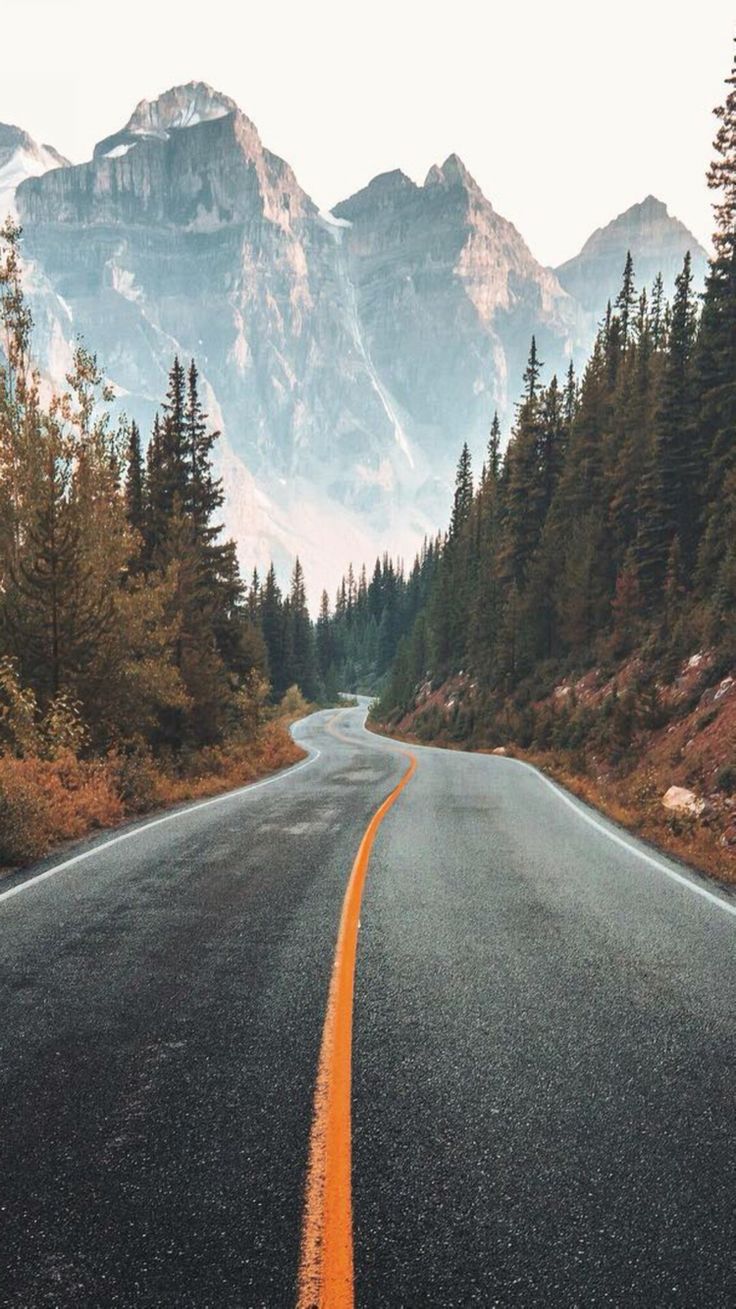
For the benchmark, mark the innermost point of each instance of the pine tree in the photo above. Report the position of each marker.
(205, 495)
(657, 315)
(135, 504)
(524, 492)
(532, 373)
(324, 639)
(254, 598)
(174, 468)
(155, 515)
(633, 419)
(494, 449)
(463, 493)
(272, 626)
(670, 487)
(134, 501)
(570, 399)
(626, 300)
(716, 350)
(551, 445)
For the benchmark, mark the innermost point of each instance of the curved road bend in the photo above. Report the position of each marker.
(543, 1060)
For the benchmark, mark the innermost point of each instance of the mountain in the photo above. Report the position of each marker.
(345, 355)
(447, 295)
(658, 243)
(22, 157)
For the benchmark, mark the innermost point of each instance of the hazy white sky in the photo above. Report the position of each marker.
(566, 113)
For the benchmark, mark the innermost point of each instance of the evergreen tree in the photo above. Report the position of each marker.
(463, 493)
(525, 490)
(173, 470)
(716, 349)
(155, 515)
(272, 626)
(626, 300)
(494, 449)
(134, 489)
(657, 316)
(570, 399)
(324, 639)
(204, 496)
(671, 486)
(254, 597)
(301, 638)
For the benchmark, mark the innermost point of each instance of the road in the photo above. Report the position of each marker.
(542, 1062)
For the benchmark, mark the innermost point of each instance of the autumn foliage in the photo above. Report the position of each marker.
(44, 802)
(133, 670)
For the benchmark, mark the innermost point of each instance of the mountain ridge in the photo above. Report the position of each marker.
(658, 242)
(346, 355)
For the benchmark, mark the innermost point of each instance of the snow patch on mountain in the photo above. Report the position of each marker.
(335, 226)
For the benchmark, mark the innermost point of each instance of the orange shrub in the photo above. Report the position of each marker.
(46, 801)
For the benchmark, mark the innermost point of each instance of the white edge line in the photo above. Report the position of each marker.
(577, 808)
(157, 822)
(629, 845)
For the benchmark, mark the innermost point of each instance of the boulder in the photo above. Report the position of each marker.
(681, 800)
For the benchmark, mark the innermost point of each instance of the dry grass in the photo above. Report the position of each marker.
(45, 802)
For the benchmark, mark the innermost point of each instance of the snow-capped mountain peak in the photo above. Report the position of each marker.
(21, 157)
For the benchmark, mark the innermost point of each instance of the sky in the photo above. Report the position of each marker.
(565, 113)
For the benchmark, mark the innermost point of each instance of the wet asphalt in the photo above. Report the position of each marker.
(544, 1040)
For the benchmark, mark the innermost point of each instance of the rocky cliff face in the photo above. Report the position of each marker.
(658, 244)
(448, 295)
(21, 157)
(346, 355)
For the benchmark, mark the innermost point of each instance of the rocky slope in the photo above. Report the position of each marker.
(658, 243)
(346, 355)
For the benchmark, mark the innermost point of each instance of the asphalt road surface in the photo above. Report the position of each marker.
(543, 1049)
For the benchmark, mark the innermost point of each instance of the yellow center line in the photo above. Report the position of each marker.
(326, 1262)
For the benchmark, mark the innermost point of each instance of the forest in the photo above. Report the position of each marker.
(583, 598)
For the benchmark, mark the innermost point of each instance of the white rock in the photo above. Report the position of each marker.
(682, 800)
